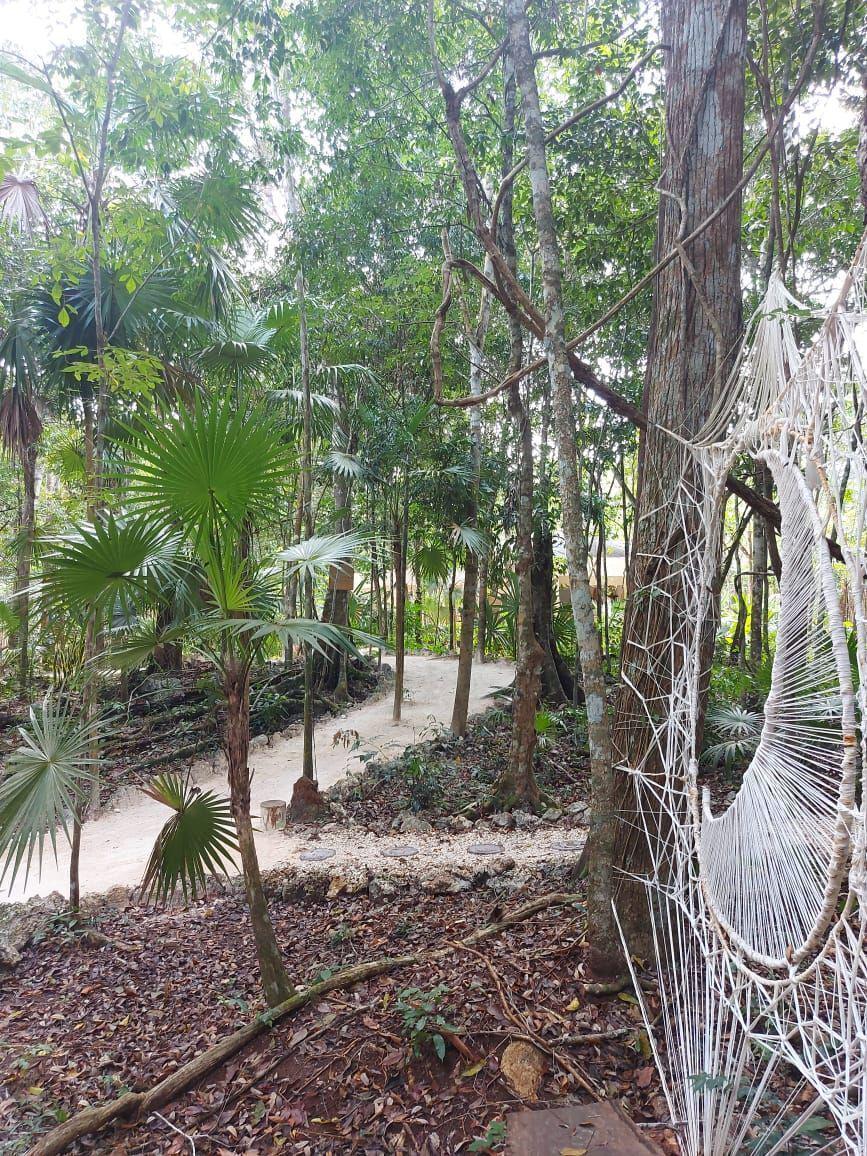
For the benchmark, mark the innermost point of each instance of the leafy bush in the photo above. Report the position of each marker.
(423, 783)
(423, 1019)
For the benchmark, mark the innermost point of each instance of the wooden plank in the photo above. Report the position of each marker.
(600, 1129)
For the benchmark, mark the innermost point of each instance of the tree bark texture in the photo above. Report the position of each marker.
(563, 412)
(517, 784)
(275, 981)
(696, 325)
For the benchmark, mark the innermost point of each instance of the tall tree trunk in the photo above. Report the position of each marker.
(563, 411)
(471, 559)
(517, 784)
(275, 981)
(482, 630)
(696, 325)
(557, 681)
(400, 600)
(758, 576)
(27, 530)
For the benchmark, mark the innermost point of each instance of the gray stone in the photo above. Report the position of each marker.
(569, 846)
(317, 854)
(552, 815)
(444, 883)
(525, 821)
(577, 808)
(460, 823)
(379, 888)
(503, 819)
(407, 851)
(258, 741)
(485, 848)
(414, 825)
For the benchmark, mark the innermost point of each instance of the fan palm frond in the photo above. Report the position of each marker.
(207, 468)
(112, 563)
(348, 465)
(20, 204)
(197, 841)
(432, 562)
(315, 555)
(46, 778)
(471, 539)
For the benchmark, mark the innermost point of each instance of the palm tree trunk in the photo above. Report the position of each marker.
(275, 980)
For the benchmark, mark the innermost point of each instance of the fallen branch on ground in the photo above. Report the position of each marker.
(138, 1104)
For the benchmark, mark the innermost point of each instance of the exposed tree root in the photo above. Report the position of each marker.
(138, 1104)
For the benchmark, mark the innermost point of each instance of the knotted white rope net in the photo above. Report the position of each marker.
(761, 909)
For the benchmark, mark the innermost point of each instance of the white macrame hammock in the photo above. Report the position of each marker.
(761, 910)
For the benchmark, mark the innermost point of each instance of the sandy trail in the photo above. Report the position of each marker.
(116, 846)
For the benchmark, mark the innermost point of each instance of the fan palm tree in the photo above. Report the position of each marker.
(20, 430)
(197, 481)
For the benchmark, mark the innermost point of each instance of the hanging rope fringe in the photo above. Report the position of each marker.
(761, 911)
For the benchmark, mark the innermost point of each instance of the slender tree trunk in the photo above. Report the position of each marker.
(400, 601)
(557, 679)
(469, 605)
(759, 575)
(451, 602)
(603, 823)
(75, 862)
(27, 530)
(272, 972)
(695, 328)
(517, 784)
(482, 630)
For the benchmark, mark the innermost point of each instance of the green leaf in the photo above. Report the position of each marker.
(207, 469)
(45, 781)
(197, 841)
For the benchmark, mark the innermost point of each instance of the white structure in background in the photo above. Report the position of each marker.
(761, 910)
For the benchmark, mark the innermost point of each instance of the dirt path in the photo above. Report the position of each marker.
(115, 847)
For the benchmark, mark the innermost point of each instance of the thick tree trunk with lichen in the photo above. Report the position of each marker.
(563, 412)
(275, 981)
(696, 325)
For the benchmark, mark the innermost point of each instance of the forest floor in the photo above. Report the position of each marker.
(115, 847)
(429, 1057)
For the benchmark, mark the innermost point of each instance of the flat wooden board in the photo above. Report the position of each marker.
(601, 1129)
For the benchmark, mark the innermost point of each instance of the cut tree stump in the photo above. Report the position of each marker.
(273, 812)
(591, 1129)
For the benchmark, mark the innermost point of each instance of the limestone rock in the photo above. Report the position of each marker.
(411, 824)
(525, 821)
(503, 819)
(22, 923)
(523, 1065)
(552, 815)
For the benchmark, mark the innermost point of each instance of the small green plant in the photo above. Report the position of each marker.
(493, 1139)
(423, 1019)
(341, 933)
(548, 727)
(733, 734)
(422, 783)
